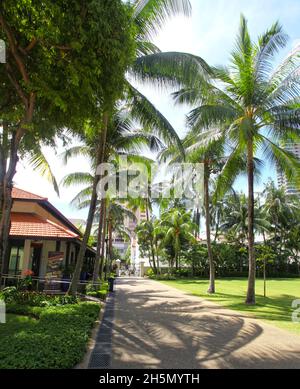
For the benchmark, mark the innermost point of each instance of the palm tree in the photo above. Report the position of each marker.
(199, 148)
(178, 226)
(236, 219)
(280, 210)
(255, 108)
(122, 139)
(145, 233)
(148, 17)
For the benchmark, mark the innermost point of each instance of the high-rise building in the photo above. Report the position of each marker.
(130, 225)
(289, 188)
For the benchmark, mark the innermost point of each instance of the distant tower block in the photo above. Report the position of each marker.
(283, 183)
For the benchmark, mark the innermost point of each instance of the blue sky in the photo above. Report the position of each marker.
(209, 33)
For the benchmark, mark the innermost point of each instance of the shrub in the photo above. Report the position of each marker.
(9, 294)
(101, 293)
(167, 276)
(35, 299)
(182, 273)
(150, 273)
(56, 340)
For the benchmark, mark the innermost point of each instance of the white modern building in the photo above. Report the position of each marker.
(289, 188)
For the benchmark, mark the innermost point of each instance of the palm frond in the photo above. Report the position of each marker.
(150, 15)
(38, 161)
(171, 69)
(76, 151)
(151, 119)
(77, 178)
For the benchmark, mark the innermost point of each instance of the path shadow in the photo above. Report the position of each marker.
(154, 329)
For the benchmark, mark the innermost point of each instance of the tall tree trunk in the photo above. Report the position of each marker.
(6, 185)
(99, 240)
(99, 158)
(252, 265)
(198, 223)
(109, 247)
(212, 286)
(110, 240)
(151, 238)
(157, 259)
(103, 241)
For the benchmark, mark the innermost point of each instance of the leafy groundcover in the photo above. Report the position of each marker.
(46, 337)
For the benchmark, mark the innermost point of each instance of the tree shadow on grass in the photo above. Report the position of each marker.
(153, 330)
(275, 308)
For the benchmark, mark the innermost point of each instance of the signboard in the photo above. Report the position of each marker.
(54, 269)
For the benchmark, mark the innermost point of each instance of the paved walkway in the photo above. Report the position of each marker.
(156, 326)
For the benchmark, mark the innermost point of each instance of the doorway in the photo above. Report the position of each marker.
(36, 259)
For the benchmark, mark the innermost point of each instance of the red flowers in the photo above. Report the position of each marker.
(27, 273)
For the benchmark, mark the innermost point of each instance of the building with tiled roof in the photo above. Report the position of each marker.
(40, 233)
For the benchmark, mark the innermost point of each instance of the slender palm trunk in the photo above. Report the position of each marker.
(151, 239)
(212, 286)
(99, 240)
(157, 259)
(110, 231)
(252, 265)
(103, 241)
(80, 259)
(198, 222)
(109, 248)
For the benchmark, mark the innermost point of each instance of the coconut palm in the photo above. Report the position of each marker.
(122, 139)
(148, 16)
(179, 226)
(280, 210)
(199, 148)
(255, 107)
(236, 218)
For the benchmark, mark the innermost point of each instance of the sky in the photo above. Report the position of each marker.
(210, 33)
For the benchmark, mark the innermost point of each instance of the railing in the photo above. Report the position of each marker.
(46, 285)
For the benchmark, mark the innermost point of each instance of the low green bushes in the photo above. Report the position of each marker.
(14, 296)
(166, 276)
(54, 338)
(101, 293)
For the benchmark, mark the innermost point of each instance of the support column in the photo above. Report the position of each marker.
(26, 255)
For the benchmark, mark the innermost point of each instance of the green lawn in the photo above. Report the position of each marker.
(275, 309)
(46, 338)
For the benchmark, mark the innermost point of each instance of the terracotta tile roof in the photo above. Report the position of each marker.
(24, 195)
(27, 225)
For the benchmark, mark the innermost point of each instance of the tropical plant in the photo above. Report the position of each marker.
(254, 108)
(51, 69)
(148, 17)
(178, 228)
(122, 140)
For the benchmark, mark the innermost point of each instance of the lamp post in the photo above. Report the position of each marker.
(118, 262)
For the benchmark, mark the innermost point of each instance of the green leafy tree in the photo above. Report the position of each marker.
(62, 59)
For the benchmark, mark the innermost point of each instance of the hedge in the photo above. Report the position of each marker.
(49, 338)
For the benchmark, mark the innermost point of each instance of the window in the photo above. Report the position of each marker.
(58, 245)
(16, 260)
